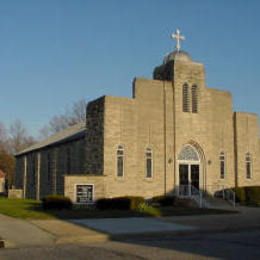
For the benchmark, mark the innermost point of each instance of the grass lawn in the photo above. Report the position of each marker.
(31, 209)
(22, 209)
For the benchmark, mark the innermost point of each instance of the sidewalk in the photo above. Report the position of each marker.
(94, 230)
(86, 230)
(20, 233)
(66, 231)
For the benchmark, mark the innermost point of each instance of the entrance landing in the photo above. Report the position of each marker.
(117, 226)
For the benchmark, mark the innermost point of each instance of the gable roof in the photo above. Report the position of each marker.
(69, 134)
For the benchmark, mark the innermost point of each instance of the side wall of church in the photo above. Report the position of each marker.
(247, 141)
(46, 168)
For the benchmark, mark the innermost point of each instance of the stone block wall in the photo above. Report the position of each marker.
(95, 137)
(15, 194)
(154, 119)
(247, 141)
(97, 181)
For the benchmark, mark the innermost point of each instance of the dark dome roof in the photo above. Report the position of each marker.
(177, 55)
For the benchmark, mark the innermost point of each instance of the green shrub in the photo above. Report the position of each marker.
(248, 195)
(104, 204)
(164, 201)
(56, 202)
(135, 201)
(119, 203)
(240, 194)
(145, 208)
(252, 195)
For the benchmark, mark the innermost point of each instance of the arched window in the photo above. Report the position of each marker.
(222, 165)
(185, 98)
(188, 153)
(149, 163)
(248, 166)
(194, 99)
(120, 161)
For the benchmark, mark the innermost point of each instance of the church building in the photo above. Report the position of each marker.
(175, 133)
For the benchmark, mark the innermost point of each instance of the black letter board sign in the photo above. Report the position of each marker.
(84, 193)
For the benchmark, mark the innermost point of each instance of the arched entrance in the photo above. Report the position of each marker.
(189, 168)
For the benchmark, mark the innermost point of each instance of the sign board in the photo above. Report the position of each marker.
(84, 193)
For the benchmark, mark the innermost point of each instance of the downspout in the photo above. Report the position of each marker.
(174, 134)
(164, 131)
(235, 149)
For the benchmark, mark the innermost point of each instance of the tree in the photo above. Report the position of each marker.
(12, 140)
(72, 116)
(7, 165)
(3, 136)
(19, 138)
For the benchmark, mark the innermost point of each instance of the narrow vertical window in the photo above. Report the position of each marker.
(34, 167)
(68, 161)
(222, 165)
(120, 161)
(248, 166)
(149, 163)
(194, 99)
(48, 167)
(185, 98)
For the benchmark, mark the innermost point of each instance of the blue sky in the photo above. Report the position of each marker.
(53, 53)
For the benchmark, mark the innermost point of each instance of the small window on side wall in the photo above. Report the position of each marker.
(149, 163)
(248, 166)
(120, 161)
(222, 165)
(185, 98)
(194, 99)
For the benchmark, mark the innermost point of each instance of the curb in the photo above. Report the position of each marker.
(175, 234)
(83, 239)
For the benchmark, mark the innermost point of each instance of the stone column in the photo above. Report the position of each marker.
(25, 177)
(38, 176)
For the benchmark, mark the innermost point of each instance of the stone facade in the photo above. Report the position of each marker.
(190, 130)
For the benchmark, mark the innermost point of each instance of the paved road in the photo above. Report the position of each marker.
(239, 245)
